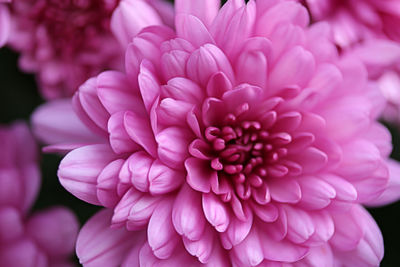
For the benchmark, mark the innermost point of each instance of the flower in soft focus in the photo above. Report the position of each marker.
(239, 139)
(357, 20)
(45, 238)
(66, 42)
(4, 22)
(370, 27)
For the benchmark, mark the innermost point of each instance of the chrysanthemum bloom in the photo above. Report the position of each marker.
(45, 238)
(4, 22)
(240, 139)
(67, 42)
(353, 21)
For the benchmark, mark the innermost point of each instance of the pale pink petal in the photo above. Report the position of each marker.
(172, 146)
(143, 135)
(187, 214)
(205, 62)
(185, 23)
(130, 17)
(163, 179)
(199, 175)
(216, 212)
(237, 230)
(205, 10)
(80, 168)
(161, 234)
(98, 244)
(107, 183)
(55, 122)
(392, 191)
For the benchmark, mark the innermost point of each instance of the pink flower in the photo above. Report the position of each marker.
(66, 42)
(45, 238)
(240, 139)
(357, 20)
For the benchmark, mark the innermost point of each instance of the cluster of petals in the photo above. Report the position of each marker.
(370, 28)
(239, 138)
(44, 238)
(354, 21)
(66, 42)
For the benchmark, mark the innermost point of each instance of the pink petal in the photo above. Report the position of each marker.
(348, 233)
(137, 170)
(296, 67)
(174, 64)
(145, 46)
(300, 225)
(107, 183)
(130, 17)
(237, 230)
(91, 105)
(199, 175)
(205, 62)
(218, 85)
(187, 214)
(163, 179)
(173, 143)
(205, 10)
(285, 191)
(100, 245)
(55, 122)
(223, 20)
(161, 234)
(240, 28)
(192, 29)
(116, 93)
(392, 192)
(142, 135)
(316, 194)
(183, 89)
(173, 112)
(120, 141)
(283, 250)
(202, 248)
(250, 252)
(148, 83)
(252, 64)
(79, 170)
(291, 12)
(216, 212)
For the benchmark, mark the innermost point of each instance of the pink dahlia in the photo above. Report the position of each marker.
(66, 42)
(4, 22)
(45, 238)
(240, 139)
(357, 20)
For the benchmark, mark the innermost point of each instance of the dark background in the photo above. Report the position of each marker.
(18, 99)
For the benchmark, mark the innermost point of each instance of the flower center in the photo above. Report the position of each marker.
(242, 151)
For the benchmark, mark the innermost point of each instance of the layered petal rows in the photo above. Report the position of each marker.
(239, 138)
